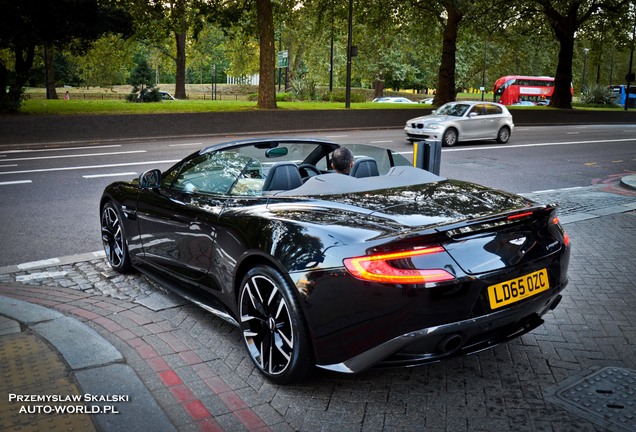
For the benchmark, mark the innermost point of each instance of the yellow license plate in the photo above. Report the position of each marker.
(517, 289)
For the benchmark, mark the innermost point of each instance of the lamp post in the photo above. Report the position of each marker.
(349, 44)
(483, 78)
(585, 51)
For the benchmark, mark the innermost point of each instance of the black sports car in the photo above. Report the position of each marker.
(388, 266)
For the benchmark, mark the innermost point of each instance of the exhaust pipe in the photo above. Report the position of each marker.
(556, 302)
(450, 343)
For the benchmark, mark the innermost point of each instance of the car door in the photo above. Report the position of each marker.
(178, 222)
(474, 123)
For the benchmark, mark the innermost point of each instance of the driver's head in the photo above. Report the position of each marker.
(342, 160)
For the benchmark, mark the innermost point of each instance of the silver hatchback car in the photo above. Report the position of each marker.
(462, 121)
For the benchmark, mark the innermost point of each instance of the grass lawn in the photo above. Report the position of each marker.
(70, 107)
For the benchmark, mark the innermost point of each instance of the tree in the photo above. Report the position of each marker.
(27, 24)
(178, 18)
(267, 82)
(141, 78)
(566, 18)
(450, 14)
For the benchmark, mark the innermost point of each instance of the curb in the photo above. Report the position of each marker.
(629, 182)
(96, 365)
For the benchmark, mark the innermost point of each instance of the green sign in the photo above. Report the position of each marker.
(282, 59)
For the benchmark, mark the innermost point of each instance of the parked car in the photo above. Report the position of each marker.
(166, 96)
(393, 100)
(427, 101)
(388, 266)
(462, 121)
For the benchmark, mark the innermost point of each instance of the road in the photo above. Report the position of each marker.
(49, 194)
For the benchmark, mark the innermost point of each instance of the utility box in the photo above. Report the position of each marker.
(427, 155)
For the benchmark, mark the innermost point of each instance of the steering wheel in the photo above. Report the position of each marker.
(308, 170)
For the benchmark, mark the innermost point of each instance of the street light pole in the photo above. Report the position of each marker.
(585, 51)
(349, 44)
(483, 78)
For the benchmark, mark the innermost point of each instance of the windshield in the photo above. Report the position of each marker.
(454, 109)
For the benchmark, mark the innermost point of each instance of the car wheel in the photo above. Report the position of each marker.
(114, 239)
(449, 138)
(273, 329)
(503, 135)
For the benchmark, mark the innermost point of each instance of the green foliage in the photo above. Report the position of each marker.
(142, 80)
(303, 89)
(339, 95)
(597, 95)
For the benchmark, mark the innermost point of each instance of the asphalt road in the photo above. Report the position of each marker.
(49, 195)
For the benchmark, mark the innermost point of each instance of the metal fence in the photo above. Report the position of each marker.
(122, 96)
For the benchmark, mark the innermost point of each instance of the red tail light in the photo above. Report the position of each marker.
(519, 215)
(378, 268)
(566, 237)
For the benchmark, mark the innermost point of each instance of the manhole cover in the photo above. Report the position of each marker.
(606, 397)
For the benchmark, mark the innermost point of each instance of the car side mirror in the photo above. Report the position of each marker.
(473, 114)
(150, 179)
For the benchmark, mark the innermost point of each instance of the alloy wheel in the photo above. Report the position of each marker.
(450, 137)
(113, 239)
(268, 329)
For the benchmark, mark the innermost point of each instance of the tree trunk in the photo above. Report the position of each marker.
(49, 65)
(562, 94)
(11, 99)
(446, 90)
(378, 86)
(267, 83)
(180, 90)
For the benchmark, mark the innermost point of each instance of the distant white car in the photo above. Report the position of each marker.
(462, 121)
(166, 96)
(427, 101)
(393, 100)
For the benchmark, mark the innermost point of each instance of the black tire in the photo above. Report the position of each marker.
(273, 329)
(503, 135)
(114, 239)
(449, 138)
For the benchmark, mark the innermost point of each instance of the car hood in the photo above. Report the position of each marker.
(433, 119)
(372, 214)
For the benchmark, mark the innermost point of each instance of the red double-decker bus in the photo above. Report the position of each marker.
(517, 89)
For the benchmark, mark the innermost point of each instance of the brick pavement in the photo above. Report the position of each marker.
(196, 368)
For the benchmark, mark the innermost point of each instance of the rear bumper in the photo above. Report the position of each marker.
(433, 344)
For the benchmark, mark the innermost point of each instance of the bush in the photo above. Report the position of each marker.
(339, 95)
(598, 96)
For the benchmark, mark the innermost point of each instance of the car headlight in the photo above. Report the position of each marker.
(433, 126)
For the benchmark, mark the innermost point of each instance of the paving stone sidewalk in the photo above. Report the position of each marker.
(196, 368)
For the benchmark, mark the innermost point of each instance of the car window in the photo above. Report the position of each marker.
(493, 109)
(219, 173)
(479, 109)
(385, 158)
(455, 110)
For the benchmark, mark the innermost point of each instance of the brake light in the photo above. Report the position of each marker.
(566, 237)
(377, 268)
(519, 215)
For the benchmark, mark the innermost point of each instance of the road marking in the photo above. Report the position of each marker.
(336, 136)
(8, 166)
(59, 149)
(380, 142)
(91, 167)
(74, 156)
(503, 147)
(186, 145)
(110, 175)
(15, 182)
